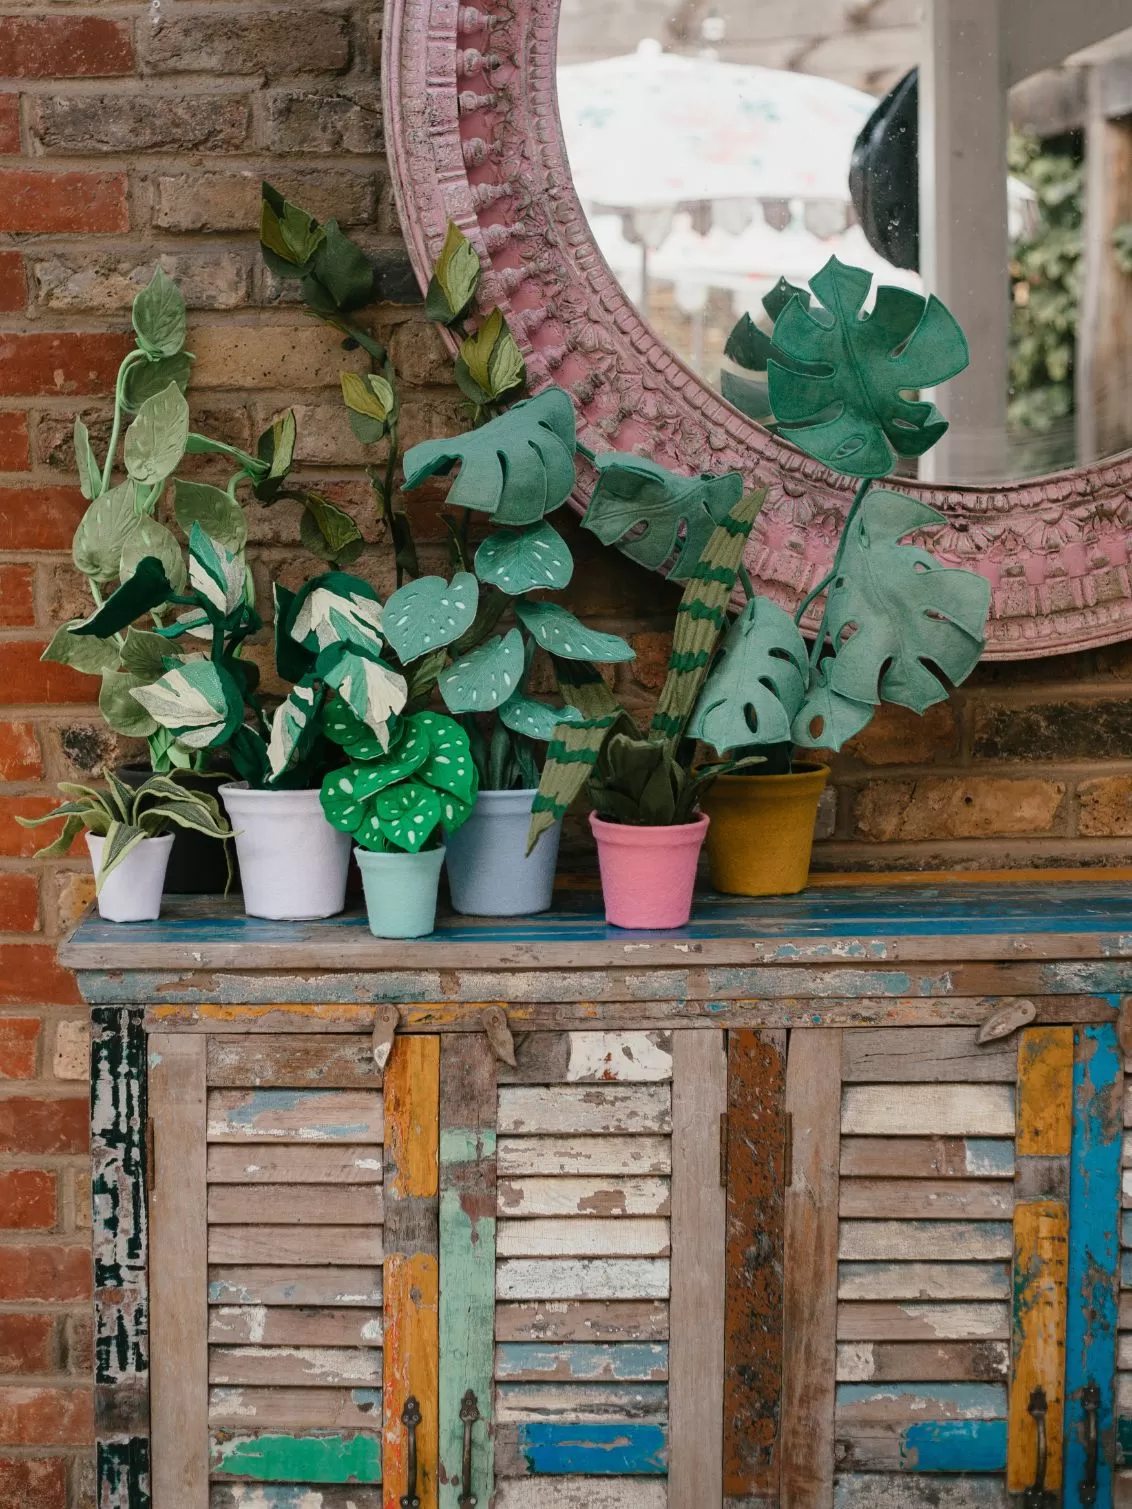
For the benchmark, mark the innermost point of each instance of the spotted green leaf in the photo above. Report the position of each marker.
(428, 613)
(521, 560)
(449, 766)
(409, 814)
(559, 632)
(485, 676)
(537, 720)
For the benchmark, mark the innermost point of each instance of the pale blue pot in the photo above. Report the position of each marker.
(400, 891)
(490, 874)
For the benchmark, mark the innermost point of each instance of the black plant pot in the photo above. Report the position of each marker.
(197, 863)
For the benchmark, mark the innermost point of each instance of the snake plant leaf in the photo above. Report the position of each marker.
(677, 513)
(221, 518)
(567, 637)
(894, 619)
(199, 702)
(485, 676)
(522, 560)
(537, 720)
(156, 440)
(90, 477)
(517, 468)
(216, 573)
(369, 688)
(119, 709)
(103, 531)
(335, 608)
(409, 813)
(83, 652)
(449, 767)
(455, 278)
(294, 727)
(159, 316)
(575, 746)
(147, 587)
(423, 615)
(151, 539)
(852, 413)
(757, 682)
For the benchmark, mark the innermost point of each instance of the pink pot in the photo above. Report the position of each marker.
(648, 874)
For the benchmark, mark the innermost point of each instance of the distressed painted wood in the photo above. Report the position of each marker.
(178, 1273)
(580, 1403)
(309, 1458)
(926, 1362)
(927, 1157)
(576, 1236)
(923, 1446)
(290, 1325)
(883, 1491)
(411, 1268)
(553, 1058)
(584, 1155)
(927, 1199)
(291, 1408)
(755, 1175)
(696, 1308)
(269, 1285)
(296, 1366)
(298, 1205)
(314, 1245)
(230, 1164)
(919, 1110)
(925, 1241)
(1045, 1092)
(934, 1055)
(923, 1281)
(580, 1493)
(813, 1101)
(582, 1278)
(286, 1496)
(334, 1062)
(582, 1362)
(546, 1448)
(916, 1320)
(582, 1320)
(536, 1196)
(528, 1111)
(295, 1116)
(915, 1401)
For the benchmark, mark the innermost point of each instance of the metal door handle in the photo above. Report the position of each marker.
(1038, 1497)
(1090, 1403)
(469, 1414)
(410, 1419)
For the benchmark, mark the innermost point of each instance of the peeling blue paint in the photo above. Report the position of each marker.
(954, 1446)
(594, 1450)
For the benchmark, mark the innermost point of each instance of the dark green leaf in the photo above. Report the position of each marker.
(329, 532)
(652, 514)
(748, 346)
(343, 269)
(146, 379)
(148, 588)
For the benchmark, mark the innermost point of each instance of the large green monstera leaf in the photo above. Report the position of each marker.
(517, 468)
(893, 618)
(678, 513)
(758, 682)
(852, 411)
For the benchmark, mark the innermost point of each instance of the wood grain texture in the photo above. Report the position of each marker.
(618, 1450)
(1041, 1235)
(813, 1100)
(696, 1345)
(885, 1491)
(309, 1458)
(293, 1165)
(927, 1199)
(302, 1245)
(924, 1281)
(580, 1403)
(282, 1496)
(582, 1320)
(756, 1165)
(178, 1273)
(627, 1156)
(296, 1366)
(270, 1285)
(929, 1447)
(296, 1204)
(581, 1236)
(580, 1493)
(924, 1240)
(333, 1062)
(582, 1278)
(283, 1325)
(927, 1157)
(294, 1408)
(963, 1110)
(295, 1116)
(932, 1055)
(922, 1362)
(916, 1320)
(1045, 1092)
(574, 1110)
(581, 1362)
(595, 1196)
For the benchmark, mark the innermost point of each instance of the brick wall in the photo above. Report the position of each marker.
(138, 132)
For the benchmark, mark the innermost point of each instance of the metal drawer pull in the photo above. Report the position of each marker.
(1038, 1497)
(410, 1419)
(1090, 1403)
(469, 1414)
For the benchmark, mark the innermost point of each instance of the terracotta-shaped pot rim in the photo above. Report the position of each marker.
(644, 835)
(804, 774)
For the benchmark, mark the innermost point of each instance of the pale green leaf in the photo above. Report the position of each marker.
(90, 477)
(559, 632)
(156, 440)
(221, 519)
(428, 613)
(757, 682)
(522, 560)
(485, 676)
(151, 539)
(143, 653)
(197, 701)
(83, 652)
(103, 531)
(159, 316)
(534, 719)
(120, 710)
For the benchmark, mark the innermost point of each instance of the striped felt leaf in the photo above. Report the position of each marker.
(574, 747)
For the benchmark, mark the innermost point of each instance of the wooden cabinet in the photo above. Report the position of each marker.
(745, 1217)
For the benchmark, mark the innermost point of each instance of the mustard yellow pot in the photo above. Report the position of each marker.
(762, 830)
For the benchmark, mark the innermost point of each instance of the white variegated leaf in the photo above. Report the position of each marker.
(371, 690)
(217, 574)
(189, 700)
(327, 618)
(291, 721)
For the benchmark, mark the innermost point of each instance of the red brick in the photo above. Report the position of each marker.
(30, 1124)
(42, 203)
(64, 47)
(21, 758)
(17, 609)
(26, 678)
(26, 1343)
(9, 123)
(30, 975)
(27, 1201)
(33, 1482)
(18, 1038)
(13, 283)
(44, 1274)
(19, 909)
(39, 518)
(46, 1416)
(15, 450)
(59, 361)
(78, 1341)
(17, 842)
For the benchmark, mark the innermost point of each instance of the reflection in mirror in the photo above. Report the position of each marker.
(718, 146)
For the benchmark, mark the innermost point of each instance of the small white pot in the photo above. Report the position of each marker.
(293, 864)
(132, 891)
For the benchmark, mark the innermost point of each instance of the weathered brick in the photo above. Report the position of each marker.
(78, 1343)
(79, 124)
(64, 47)
(60, 362)
(21, 758)
(274, 42)
(44, 1273)
(898, 736)
(33, 1482)
(1069, 730)
(64, 592)
(1104, 807)
(271, 356)
(40, 518)
(68, 893)
(230, 201)
(13, 283)
(19, 1038)
(17, 608)
(419, 353)
(32, 1124)
(25, 678)
(308, 120)
(19, 907)
(36, 202)
(28, 1200)
(323, 437)
(945, 808)
(86, 749)
(72, 1049)
(89, 279)
(27, 1342)
(9, 125)
(30, 974)
(651, 665)
(80, 1197)
(46, 1416)
(14, 448)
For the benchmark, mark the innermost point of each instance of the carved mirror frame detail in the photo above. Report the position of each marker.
(474, 135)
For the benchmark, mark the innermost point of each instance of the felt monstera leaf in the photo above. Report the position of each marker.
(678, 513)
(894, 618)
(198, 702)
(521, 560)
(559, 632)
(429, 613)
(757, 683)
(839, 390)
(217, 574)
(485, 676)
(516, 468)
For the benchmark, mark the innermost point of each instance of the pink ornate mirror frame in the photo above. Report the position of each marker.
(472, 124)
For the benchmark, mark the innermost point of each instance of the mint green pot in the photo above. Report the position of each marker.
(400, 891)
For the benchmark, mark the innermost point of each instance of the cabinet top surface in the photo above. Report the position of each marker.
(832, 925)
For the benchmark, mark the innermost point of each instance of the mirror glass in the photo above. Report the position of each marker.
(980, 150)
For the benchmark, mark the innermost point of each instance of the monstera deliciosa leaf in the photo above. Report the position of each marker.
(840, 390)
(677, 513)
(757, 683)
(895, 619)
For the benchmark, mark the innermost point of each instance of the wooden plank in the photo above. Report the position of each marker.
(295, 1116)
(916, 1320)
(695, 1394)
(582, 1278)
(295, 1408)
(618, 1451)
(1041, 1230)
(537, 1196)
(268, 1285)
(589, 1110)
(927, 1158)
(891, 1281)
(922, 1446)
(296, 1366)
(813, 1101)
(921, 1110)
(231, 1164)
(305, 1205)
(623, 1156)
(566, 1236)
(922, 1362)
(579, 1403)
(755, 1174)
(301, 1245)
(934, 1055)
(468, 1096)
(581, 1362)
(913, 1401)
(334, 1062)
(283, 1325)
(554, 1058)
(566, 1320)
(1045, 1092)
(411, 1270)
(279, 1496)
(882, 1491)
(312, 1457)
(580, 1493)
(926, 1241)
(927, 1199)
(178, 1273)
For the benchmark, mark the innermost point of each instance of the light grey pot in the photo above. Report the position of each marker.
(490, 873)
